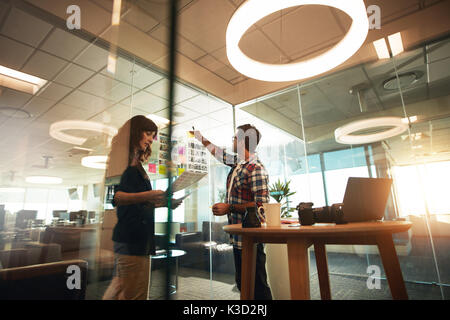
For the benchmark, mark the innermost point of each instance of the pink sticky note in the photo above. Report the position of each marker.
(152, 168)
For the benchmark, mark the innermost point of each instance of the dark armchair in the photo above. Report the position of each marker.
(200, 247)
(46, 281)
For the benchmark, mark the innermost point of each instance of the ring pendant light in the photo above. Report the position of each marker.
(344, 134)
(252, 11)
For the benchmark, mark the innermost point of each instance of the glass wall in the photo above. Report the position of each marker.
(408, 86)
(101, 62)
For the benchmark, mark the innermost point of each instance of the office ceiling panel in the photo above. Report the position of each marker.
(140, 19)
(94, 58)
(161, 89)
(106, 87)
(209, 35)
(73, 76)
(52, 65)
(146, 101)
(203, 104)
(25, 28)
(300, 23)
(260, 47)
(38, 105)
(87, 102)
(12, 98)
(13, 54)
(54, 91)
(143, 77)
(64, 44)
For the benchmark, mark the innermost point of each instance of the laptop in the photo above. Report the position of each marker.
(365, 199)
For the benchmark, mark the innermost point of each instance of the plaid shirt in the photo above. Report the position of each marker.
(250, 185)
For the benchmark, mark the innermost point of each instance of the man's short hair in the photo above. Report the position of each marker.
(251, 135)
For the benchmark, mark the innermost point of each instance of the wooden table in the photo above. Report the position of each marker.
(299, 239)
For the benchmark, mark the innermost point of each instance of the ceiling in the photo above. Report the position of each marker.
(34, 40)
(289, 35)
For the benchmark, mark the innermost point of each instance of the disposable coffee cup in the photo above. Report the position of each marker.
(272, 212)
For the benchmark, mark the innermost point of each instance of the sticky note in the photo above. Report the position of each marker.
(162, 169)
(152, 168)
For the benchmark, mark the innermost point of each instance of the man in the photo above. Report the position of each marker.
(247, 186)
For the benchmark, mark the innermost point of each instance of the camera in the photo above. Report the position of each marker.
(308, 215)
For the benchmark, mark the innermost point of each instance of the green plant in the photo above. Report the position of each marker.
(280, 191)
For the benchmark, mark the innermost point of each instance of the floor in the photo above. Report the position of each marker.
(196, 285)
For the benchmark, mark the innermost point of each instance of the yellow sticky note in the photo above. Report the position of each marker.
(190, 135)
(162, 169)
(180, 171)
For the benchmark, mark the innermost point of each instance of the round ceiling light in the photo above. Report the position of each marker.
(405, 80)
(252, 11)
(57, 128)
(344, 134)
(43, 180)
(96, 162)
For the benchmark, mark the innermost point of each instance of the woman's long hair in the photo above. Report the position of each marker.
(130, 134)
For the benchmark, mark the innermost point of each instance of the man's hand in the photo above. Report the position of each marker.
(220, 209)
(197, 135)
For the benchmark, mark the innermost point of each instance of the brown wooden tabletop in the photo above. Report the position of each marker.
(300, 238)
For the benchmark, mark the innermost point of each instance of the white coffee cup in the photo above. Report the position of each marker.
(272, 213)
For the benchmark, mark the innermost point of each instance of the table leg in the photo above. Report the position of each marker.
(176, 273)
(322, 271)
(298, 269)
(248, 268)
(392, 267)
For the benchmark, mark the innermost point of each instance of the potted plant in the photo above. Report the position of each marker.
(281, 192)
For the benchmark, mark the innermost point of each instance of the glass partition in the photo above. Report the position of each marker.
(102, 62)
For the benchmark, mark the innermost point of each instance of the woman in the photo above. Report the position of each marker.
(133, 234)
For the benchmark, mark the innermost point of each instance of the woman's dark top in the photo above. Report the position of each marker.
(135, 229)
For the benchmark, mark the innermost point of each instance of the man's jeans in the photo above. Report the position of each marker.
(262, 289)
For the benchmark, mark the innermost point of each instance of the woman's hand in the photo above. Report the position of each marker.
(220, 209)
(156, 197)
(164, 204)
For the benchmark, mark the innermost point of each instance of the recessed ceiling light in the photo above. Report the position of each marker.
(57, 128)
(96, 162)
(43, 180)
(252, 11)
(381, 49)
(115, 19)
(112, 61)
(409, 119)
(20, 81)
(159, 121)
(396, 43)
(14, 113)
